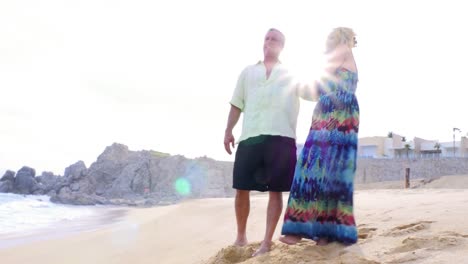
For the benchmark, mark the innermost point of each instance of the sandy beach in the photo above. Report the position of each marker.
(423, 225)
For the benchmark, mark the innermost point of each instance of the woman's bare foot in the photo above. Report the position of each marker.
(322, 242)
(264, 248)
(290, 240)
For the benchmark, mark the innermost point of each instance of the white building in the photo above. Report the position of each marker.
(393, 146)
(385, 147)
(459, 149)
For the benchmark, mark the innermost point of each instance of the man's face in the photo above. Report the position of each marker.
(273, 44)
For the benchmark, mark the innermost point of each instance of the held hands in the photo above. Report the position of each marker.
(228, 141)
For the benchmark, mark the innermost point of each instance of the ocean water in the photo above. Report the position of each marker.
(21, 214)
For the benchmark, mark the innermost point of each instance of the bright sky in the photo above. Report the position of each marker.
(76, 76)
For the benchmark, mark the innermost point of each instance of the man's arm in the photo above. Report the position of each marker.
(237, 106)
(308, 91)
(233, 117)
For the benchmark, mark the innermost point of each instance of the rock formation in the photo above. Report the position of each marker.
(123, 177)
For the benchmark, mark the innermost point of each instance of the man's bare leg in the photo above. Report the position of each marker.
(275, 207)
(242, 205)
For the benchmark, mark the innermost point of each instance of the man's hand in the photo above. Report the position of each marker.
(228, 141)
(233, 117)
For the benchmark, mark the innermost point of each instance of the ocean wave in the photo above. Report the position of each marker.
(19, 213)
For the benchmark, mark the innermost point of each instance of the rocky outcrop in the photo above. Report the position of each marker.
(66, 195)
(124, 177)
(9, 176)
(24, 182)
(49, 183)
(7, 181)
(76, 171)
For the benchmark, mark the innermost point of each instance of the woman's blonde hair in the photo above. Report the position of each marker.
(341, 35)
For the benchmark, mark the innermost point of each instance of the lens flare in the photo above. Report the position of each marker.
(182, 186)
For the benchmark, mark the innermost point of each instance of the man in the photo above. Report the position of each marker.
(266, 155)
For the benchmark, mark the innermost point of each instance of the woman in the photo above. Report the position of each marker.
(320, 205)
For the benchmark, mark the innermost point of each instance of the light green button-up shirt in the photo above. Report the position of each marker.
(270, 106)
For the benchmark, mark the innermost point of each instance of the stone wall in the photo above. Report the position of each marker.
(375, 170)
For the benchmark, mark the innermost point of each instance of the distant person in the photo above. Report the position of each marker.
(266, 155)
(320, 204)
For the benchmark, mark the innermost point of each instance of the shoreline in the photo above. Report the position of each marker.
(102, 217)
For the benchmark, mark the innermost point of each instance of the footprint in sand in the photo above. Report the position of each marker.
(430, 242)
(408, 257)
(409, 228)
(419, 248)
(365, 232)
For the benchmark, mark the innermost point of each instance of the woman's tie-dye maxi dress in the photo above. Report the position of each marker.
(320, 203)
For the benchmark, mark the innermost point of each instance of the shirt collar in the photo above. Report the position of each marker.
(261, 62)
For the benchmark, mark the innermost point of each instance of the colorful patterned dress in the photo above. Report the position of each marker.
(320, 203)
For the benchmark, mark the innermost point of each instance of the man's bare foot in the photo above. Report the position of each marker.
(290, 240)
(264, 248)
(322, 242)
(241, 241)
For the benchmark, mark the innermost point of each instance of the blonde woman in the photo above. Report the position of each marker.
(320, 205)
